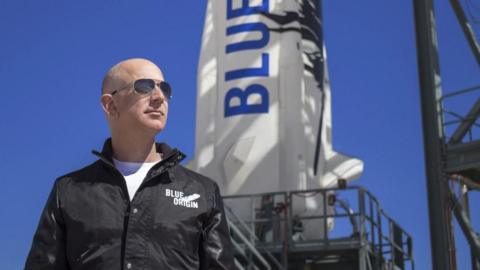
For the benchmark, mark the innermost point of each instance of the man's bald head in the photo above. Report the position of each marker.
(124, 72)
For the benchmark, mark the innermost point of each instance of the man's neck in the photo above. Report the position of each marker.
(134, 148)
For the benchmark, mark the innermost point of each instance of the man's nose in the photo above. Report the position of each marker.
(157, 95)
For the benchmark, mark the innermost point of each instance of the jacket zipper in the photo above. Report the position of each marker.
(126, 196)
(148, 176)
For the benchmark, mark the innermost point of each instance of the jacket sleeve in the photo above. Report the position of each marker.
(216, 245)
(48, 246)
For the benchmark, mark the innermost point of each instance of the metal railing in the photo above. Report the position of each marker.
(280, 223)
(452, 119)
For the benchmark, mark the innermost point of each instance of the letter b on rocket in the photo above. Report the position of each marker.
(244, 107)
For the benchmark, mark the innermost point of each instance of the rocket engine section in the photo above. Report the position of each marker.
(263, 121)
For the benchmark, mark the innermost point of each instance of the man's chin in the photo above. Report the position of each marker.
(150, 126)
(156, 127)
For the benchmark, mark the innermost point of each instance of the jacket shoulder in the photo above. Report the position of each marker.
(82, 174)
(202, 179)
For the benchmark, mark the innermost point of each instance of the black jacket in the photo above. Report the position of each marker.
(175, 220)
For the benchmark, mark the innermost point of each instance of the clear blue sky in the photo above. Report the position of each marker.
(54, 53)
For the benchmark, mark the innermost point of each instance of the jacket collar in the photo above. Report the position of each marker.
(170, 156)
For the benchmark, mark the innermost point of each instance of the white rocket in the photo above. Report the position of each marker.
(263, 121)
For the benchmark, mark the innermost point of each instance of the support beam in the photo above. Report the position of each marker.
(463, 157)
(465, 181)
(465, 225)
(466, 124)
(466, 205)
(430, 92)
(467, 29)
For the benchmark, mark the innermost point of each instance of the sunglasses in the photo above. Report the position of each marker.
(146, 86)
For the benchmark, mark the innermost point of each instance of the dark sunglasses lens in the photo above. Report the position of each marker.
(166, 89)
(144, 86)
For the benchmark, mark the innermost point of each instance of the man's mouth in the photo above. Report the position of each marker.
(155, 112)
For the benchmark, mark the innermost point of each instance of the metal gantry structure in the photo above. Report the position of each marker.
(271, 236)
(452, 149)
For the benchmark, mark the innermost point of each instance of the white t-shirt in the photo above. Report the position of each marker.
(134, 173)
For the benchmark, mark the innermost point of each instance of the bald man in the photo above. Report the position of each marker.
(135, 207)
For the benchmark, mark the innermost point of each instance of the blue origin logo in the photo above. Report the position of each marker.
(262, 71)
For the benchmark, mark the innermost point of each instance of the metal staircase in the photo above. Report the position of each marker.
(249, 255)
(270, 235)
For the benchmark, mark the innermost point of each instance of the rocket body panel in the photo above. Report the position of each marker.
(241, 90)
(264, 103)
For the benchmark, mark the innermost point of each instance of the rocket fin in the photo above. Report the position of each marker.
(340, 166)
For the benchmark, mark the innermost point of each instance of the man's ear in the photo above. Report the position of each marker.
(108, 105)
